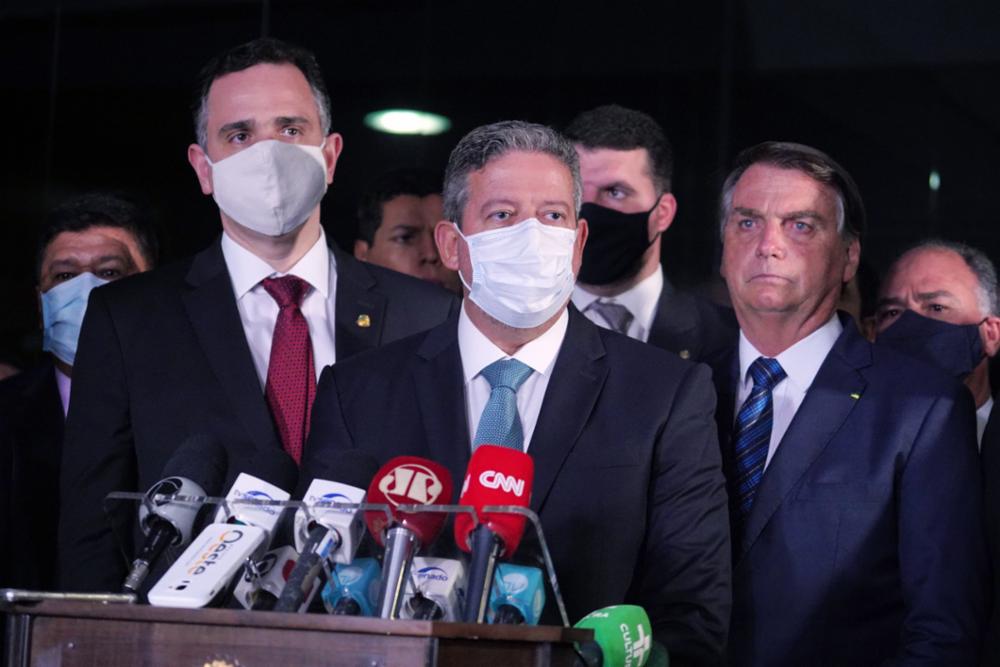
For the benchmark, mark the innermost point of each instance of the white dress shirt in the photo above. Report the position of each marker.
(641, 300)
(64, 383)
(478, 352)
(801, 363)
(259, 310)
(983, 416)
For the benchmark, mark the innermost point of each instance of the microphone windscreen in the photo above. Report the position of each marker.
(623, 632)
(496, 476)
(409, 480)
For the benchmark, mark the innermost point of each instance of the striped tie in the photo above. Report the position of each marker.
(500, 423)
(753, 434)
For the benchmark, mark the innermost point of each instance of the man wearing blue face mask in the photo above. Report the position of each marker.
(227, 345)
(86, 242)
(939, 302)
(628, 483)
(627, 167)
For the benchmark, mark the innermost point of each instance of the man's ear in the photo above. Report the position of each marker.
(989, 331)
(446, 238)
(662, 215)
(361, 249)
(853, 249)
(202, 169)
(331, 152)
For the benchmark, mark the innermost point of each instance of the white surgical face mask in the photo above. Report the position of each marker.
(270, 187)
(63, 307)
(523, 274)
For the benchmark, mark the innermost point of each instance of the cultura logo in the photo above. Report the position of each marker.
(635, 649)
(411, 483)
(433, 573)
(492, 479)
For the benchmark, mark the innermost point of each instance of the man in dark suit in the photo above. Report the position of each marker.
(627, 485)
(227, 344)
(854, 484)
(627, 166)
(87, 240)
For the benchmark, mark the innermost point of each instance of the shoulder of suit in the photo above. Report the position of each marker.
(640, 356)
(393, 283)
(170, 277)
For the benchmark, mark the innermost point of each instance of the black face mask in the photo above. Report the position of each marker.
(954, 348)
(615, 244)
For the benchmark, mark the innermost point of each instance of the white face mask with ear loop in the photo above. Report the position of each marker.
(270, 187)
(522, 274)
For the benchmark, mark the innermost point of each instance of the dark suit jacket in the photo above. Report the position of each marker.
(864, 543)
(627, 485)
(690, 326)
(162, 357)
(990, 457)
(31, 437)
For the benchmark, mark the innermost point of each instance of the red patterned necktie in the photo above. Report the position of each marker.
(291, 374)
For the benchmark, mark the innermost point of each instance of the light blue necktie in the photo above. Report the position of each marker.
(500, 424)
(752, 435)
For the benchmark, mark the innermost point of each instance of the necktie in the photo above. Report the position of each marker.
(615, 314)
(753, 434)
(500, 424)
(291, 374)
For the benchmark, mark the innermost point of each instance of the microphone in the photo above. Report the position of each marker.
(623, 637)
(353, 589)
(329, 535)
(196, 469)
(518, 596)
(207, 566)
(435, 590)
(404, 480)
(264, 579)
(495, 476)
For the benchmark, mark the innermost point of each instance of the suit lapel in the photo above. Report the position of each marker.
(360, 309)
(828, 402)
(212, 310)
(674, 324)
(577, 378)
(726, 376)
(440, 389)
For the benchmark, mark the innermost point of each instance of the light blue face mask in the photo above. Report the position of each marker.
(63, 307)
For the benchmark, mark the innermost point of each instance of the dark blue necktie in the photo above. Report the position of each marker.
(500, 423)
(753, 434)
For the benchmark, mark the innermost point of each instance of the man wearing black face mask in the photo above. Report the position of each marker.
(627, 163)
(956, 287)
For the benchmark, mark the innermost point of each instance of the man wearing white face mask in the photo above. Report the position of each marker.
(229, 343)
(87, 241)
(628, 482)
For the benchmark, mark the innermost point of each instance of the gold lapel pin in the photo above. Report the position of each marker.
(364, 321)
(684, 354)
(855, 395)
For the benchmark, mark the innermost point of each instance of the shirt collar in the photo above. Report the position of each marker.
(982, 417)
(641, 299)
(802, 360)
(478, 351)
(246, 269)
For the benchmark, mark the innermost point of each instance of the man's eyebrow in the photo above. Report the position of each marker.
(937, 294)
(890, 301)
(244, 124)
(747, 212)
(497, 200)
(291, 120)
(805, 213)
(556, 202)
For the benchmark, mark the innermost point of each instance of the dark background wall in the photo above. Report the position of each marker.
(97, 95)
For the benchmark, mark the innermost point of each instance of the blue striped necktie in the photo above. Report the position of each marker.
(753, 434)
(500, 423)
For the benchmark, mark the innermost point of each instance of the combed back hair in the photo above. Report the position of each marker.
(622, 129)
(978, 263)
(259, 51)
(813, 163)
(98, 209)
(489, 142)
(386, 187)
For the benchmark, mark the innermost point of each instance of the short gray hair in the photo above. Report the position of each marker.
(813, 163)
(489, 142)
(980, 265)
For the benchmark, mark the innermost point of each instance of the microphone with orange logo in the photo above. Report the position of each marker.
(495, 476)
(405, 480)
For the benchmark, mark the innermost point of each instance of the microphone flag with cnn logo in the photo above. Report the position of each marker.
(496, 476)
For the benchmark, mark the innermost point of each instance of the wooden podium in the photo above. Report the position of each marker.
(68, 634)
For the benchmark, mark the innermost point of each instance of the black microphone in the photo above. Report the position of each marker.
(196, 468)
